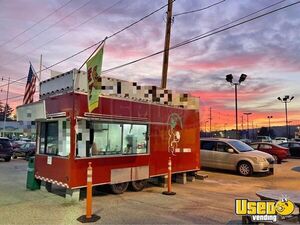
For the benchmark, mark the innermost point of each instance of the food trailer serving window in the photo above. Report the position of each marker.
(55, 138)
(96, 138)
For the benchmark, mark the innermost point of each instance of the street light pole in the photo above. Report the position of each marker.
(270, 117)
(286, 119)
(205, 128)
(229, 78)
(286, 99)
(247, 114)
(236, 111)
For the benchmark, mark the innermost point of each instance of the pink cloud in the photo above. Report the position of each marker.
(235, 61)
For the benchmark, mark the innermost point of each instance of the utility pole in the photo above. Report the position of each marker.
(269, 117)
(242, 123)
(40, 72)
(229, 78)
(236, 111)
(247, 114)
(210, 121)
(205, 128)
(286, 99)
(167, 45)
(253, 130)
(5, 107)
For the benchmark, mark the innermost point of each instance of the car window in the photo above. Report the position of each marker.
(286, 145)
(264, 146)
(240, 146)
(255, 146)
(5, 143)
(222, 147)
(207, 145)
(295, 145)
(22, 145)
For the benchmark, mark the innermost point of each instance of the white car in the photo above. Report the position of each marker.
(231, 154)
(279, 140)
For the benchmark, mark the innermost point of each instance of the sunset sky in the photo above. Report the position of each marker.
(266, 49)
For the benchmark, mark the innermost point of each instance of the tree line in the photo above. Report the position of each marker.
(8, 113)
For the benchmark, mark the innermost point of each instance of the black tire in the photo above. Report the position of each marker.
(138, 185)
(245, 168)
(119, 188)
(14, 156)
(7, 159)
(275, 159)
(27, 157)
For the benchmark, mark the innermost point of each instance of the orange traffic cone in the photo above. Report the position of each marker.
(169, 192)
(89, 217)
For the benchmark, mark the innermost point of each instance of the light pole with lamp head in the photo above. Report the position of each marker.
(269, 117)
(229, 78)
(286, 99)
(205, 128)
(225, 124)
(247, 114)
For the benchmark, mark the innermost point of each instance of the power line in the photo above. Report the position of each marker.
(241, 18)
(5, 79)
(68, 31)
(196, 38)
(18, 96)
(33, 25)
(14, 81)
(11, 82)
(198, 10)
(96, 44)
(52, 25)
(199, 37)
(82, 23)
(108, 37)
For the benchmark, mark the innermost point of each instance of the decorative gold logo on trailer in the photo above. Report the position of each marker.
(94, 67)
(175, 126)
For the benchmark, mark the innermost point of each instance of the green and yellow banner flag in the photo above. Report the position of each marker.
(94, 67)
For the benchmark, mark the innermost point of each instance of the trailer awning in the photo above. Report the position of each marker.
(32, 111)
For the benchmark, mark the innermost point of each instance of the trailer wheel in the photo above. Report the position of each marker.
(119, 188)
(138, 185)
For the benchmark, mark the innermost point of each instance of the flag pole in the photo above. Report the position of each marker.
(93, 53)
(40, 72)
(5, 107)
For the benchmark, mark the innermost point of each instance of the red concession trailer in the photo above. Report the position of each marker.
(128, 138)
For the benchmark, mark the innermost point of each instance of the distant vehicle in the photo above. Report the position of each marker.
(25, 150)
(293, 146)
(263, 139)
(25, 139)
(279, 140)
(5, 149)
(17, 144)
(231, 154)
(246, 141)
(278, 152)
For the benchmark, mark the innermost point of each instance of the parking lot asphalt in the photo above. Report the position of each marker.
(201, 202)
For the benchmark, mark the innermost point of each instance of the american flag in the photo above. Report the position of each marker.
(30, 86)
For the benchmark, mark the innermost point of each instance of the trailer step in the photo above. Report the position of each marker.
(200, 176)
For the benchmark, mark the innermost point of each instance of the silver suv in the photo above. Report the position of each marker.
(231, 154)
(263, 139)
